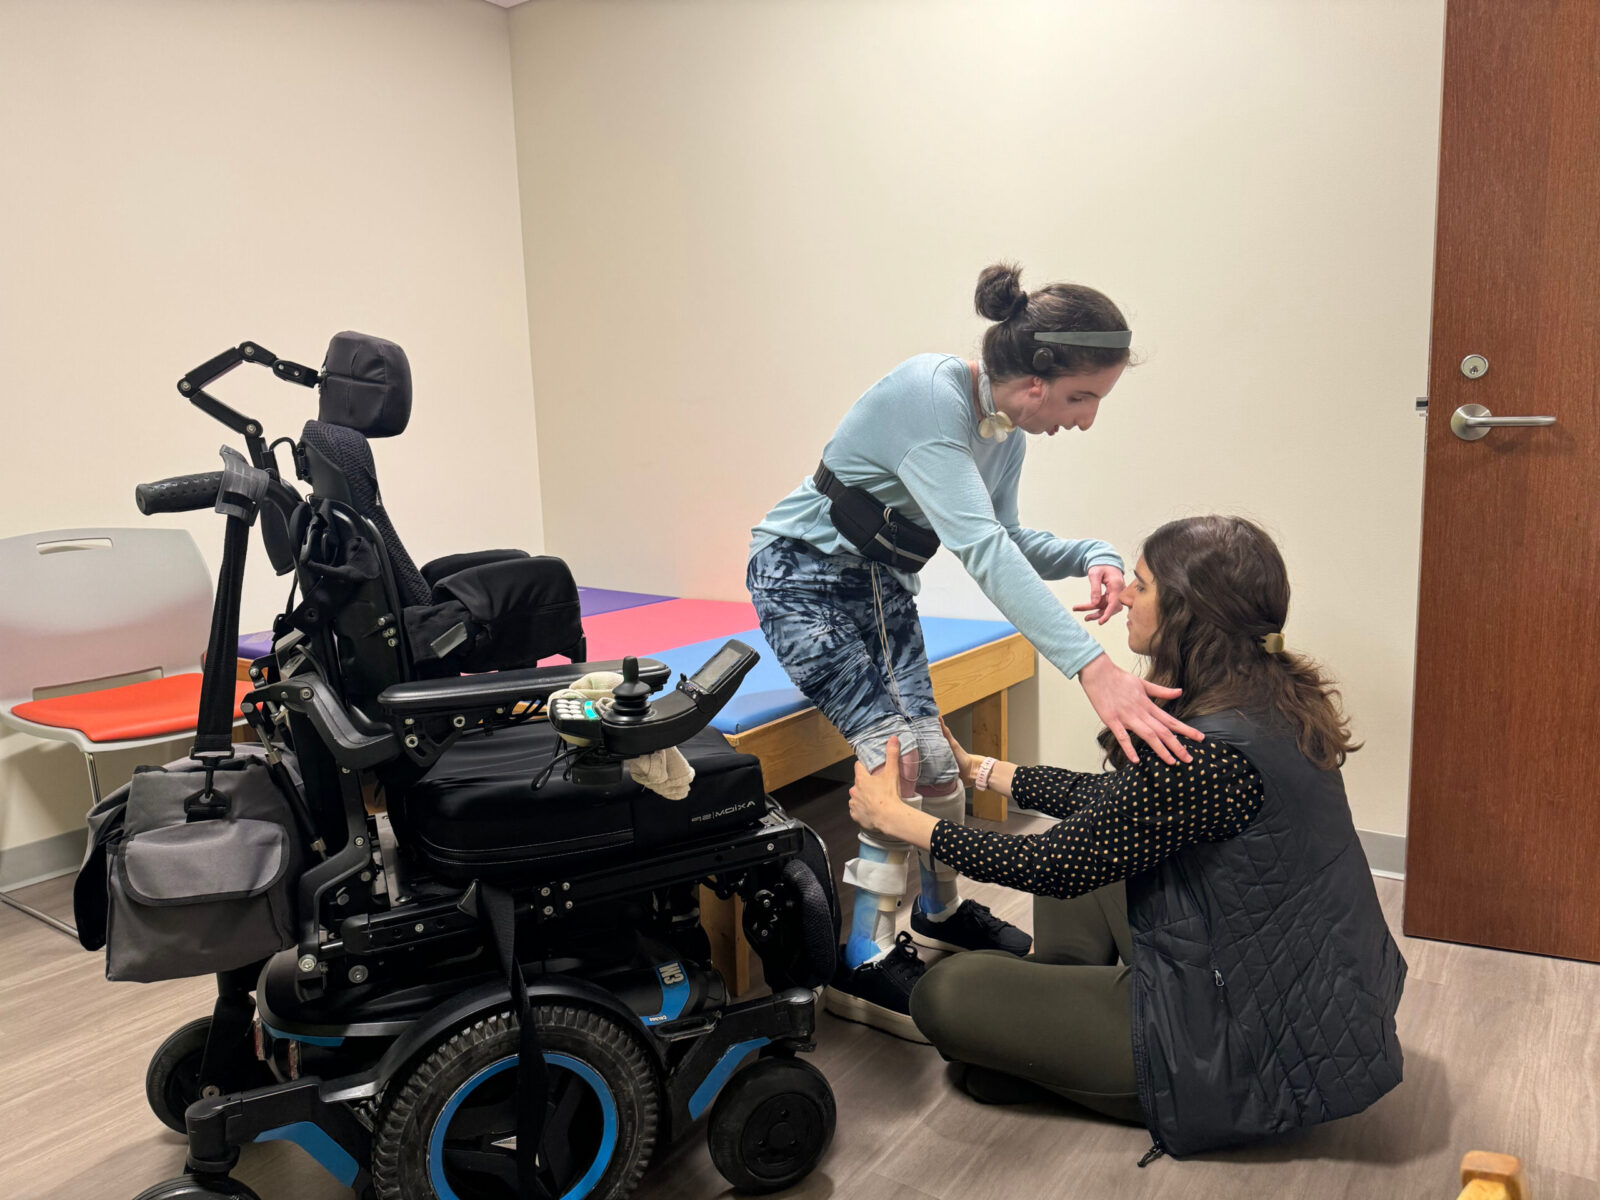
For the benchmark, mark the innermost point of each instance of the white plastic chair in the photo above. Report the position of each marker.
(85, 606)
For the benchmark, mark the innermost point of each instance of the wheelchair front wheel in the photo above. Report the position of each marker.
(172, 1080)
(198, 1187)
(771, 1124)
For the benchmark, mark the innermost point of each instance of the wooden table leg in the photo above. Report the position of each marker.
(723, 921)
(991, 737)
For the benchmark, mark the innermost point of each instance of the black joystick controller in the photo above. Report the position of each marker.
(630, 699)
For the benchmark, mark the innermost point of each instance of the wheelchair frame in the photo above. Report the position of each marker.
(339, 1055)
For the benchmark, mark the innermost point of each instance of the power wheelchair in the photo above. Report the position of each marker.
(498, 930)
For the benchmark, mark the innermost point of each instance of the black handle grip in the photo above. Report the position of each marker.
(181, 493)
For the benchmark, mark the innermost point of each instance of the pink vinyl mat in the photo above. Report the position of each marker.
(652, 628)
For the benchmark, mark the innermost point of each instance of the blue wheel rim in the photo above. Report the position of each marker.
(579, 1098)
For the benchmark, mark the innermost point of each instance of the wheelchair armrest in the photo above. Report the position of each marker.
(503, 689)
(442, 568)
(518, 611)
(317, 702)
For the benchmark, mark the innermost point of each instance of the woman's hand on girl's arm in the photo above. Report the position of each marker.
(1105, 593)
(876, 806)
(1123, 701)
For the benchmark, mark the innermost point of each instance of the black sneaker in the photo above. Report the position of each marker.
(970, 927)
(879, 993)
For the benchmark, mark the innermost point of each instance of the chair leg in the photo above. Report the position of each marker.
(94, 780)
(39, 916)
(54, 923)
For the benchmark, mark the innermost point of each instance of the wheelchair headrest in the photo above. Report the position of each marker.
(366, 385)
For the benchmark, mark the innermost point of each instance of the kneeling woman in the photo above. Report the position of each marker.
(1258, 983)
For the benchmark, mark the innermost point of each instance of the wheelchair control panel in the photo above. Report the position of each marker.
(631, 725)
(575, 720)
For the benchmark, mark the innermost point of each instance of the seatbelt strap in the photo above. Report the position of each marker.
(499, 909)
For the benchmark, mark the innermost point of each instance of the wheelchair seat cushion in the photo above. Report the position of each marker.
(476, 815)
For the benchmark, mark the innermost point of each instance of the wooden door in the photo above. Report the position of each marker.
(1503, 847)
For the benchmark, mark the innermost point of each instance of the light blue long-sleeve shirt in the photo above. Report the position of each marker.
(912, 441)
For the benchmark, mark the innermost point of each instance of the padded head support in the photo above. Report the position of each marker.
(366, 385)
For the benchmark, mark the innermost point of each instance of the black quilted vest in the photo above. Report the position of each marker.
(1264, 978)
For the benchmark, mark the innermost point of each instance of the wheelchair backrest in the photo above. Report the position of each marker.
(365, 392)
(339, 461)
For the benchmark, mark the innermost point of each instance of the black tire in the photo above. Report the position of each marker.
(172, 1080)
(820, 931)
(771, 1124)
(198, 1187)
(600, 1077)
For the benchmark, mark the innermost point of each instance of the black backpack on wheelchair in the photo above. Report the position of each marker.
(488, 980)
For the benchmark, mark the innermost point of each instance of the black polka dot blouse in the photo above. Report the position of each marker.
(1113, 825)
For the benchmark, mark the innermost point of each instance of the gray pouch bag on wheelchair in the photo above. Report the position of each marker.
(191, 882)
(192, 868)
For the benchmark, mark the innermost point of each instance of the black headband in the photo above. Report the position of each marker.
(1115, 339)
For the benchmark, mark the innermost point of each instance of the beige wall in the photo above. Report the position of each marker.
(737, 216)
(732, 218)
(180, 175)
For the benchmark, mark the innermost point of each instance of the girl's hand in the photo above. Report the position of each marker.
(966, 765)
(1105, 594)
(1123, 702)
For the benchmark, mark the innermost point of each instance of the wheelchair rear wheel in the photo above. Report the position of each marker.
(447, 1131)
(769, 1127)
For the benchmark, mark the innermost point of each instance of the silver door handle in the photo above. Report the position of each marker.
(1473, 421)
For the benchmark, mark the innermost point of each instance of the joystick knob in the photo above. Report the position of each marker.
(630, 698)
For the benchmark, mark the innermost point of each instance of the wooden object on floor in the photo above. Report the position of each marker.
(1487, 1176)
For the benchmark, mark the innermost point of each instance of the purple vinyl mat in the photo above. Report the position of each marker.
(594, 601)
(255, 645)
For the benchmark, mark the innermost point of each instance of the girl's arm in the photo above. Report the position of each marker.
(944, 481)
(1051, 556)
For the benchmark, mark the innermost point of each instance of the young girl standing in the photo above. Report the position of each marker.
(931, 455)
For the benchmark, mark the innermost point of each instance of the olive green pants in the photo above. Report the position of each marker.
(1059, 1018)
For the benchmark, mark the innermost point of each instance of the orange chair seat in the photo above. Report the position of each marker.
(153, 708)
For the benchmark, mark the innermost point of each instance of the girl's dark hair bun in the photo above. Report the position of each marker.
(1000, 296)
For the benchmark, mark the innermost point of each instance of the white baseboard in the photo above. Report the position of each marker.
(1386, 852)
(34, 862)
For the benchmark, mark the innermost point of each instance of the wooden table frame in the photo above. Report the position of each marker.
(803, 743)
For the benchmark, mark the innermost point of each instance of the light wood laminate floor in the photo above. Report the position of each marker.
(1502, 1053)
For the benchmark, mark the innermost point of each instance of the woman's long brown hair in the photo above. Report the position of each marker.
(1221, 587)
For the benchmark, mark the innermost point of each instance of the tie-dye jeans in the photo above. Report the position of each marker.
(847, 633)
